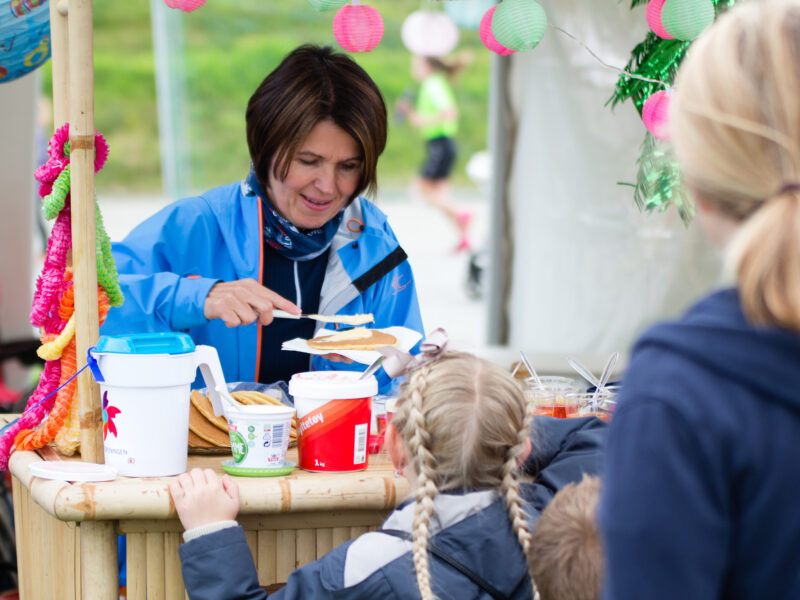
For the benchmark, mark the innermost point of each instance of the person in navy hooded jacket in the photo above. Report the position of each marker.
(293, 235)
(701, 498)
(460, 433)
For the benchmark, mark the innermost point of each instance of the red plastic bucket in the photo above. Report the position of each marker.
(333, 416)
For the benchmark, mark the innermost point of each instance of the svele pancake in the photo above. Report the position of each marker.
(358, 338)
(205, 430)
(208, 431)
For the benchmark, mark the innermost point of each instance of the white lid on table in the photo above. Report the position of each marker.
(73, 470)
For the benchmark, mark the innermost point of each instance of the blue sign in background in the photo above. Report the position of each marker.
(24, 37)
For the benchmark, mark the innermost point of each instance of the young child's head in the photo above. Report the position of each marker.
(465, 427)
(424, 66)
(736, 133)
(566, 548)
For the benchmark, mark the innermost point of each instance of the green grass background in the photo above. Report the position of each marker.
(230, 46)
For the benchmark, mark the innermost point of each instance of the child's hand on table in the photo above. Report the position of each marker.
(201, 498)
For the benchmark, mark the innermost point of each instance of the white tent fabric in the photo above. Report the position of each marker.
(589, 270)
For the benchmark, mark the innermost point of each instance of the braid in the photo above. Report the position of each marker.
(510, 487)
(419, 443)
(463, 422)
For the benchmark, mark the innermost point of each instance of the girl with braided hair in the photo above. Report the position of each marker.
(461, 434)
(461, 425)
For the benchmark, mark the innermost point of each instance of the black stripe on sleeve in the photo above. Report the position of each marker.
(396, 257)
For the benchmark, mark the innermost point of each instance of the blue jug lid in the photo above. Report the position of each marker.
(145, 343)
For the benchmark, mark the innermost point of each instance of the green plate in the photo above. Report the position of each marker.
(230, 466)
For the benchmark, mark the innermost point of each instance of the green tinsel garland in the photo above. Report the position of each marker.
(658, 182)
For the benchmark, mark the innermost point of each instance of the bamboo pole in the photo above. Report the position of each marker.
(84, 261)
(99, 568)
(59, 50)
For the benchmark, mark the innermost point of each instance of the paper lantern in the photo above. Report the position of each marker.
(185, 5)
(429, 33)
(487, 37)
(358, 28)
(24, 37)
(686, 19)
(654, 19)
(519, 24)
(467, 14)
(324, 5)
(655, 114)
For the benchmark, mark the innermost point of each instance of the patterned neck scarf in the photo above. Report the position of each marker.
(284, 236)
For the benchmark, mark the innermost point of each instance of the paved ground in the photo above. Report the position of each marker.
(424, 233)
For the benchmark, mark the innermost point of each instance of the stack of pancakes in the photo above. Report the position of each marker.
(208, 433)
(357, 338)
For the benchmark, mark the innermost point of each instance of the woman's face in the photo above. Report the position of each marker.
(322, 177)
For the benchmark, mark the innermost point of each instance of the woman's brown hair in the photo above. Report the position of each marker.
(311, 84)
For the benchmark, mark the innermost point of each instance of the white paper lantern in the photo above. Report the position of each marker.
(429, 33)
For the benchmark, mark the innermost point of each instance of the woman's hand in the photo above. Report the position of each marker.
(201, 498)
(244, 301)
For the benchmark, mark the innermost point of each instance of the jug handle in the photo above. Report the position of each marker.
(208, 361)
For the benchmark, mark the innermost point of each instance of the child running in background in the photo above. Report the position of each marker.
(567, 551)
(460, 435)
(435, 114)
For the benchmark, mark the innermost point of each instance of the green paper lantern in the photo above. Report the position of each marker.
(519, 24)
(686, 19)
(325, 5)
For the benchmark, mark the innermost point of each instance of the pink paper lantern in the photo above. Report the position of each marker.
(487, 37)
(185, 5)
(358, 28)
(655, 114)
(654, 19)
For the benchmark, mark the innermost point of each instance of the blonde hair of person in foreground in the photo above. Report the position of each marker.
(462, 424)
(567, 550)
(735, 125)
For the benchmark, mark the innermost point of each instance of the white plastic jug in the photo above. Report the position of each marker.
(145, 383)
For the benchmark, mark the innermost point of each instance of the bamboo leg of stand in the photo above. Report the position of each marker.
(154, 542)
(267, 556)
(99, 568)
(84, 260)
(136, 566)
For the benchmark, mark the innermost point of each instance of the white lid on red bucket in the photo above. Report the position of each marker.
(332, 385)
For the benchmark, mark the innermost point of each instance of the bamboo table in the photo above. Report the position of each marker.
(67, 532)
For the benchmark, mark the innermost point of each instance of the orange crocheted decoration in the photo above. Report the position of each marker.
(30, 439)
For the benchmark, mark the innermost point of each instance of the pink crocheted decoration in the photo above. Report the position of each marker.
(100, 151)
(48, 382)
(59, 158)
(44, 312)
(47, 174)
(52, 282)
(55, 148)
(47, 295)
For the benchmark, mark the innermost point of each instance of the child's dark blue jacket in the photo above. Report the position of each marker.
(702, 481)
(474, 528)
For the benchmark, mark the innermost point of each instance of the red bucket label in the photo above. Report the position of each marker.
(333, 435)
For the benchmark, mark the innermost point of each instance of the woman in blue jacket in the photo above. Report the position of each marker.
(294, 235)
(460, 434)
(702, 478)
